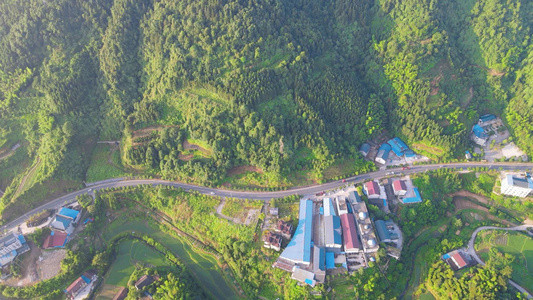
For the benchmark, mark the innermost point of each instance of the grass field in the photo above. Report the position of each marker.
(203, 266)
(517, 244)
(131, 253)
(105, 164)
(237, 208)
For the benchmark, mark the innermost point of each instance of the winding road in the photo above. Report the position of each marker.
(472, 251)
(266, 196)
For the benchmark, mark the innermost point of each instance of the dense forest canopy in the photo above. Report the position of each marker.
(280, 85)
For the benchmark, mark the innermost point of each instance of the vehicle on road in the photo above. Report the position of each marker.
(344, 180)
(212, 193)
(405, 168)
(320, 194)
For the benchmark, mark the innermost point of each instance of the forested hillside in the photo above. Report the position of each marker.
(283, 86)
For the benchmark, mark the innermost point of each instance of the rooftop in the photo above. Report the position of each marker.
(398, 146)
(144, 281)
(74, 287)
(365, 148)
(417, 198)
(69, 213)
(526, 183)
(382, 230)
(399, 185)
(372, 188)
(329, 209)
(332, 226)
(350, 232)
(299, 248)
(55, 239)
(61, 222)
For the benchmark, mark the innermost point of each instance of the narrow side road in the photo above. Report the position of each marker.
(473, 253)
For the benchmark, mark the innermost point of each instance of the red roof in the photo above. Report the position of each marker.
(372, 188)
(350, 232)
(55, 239)
(399, 185)
(459, 260)
(75, 286)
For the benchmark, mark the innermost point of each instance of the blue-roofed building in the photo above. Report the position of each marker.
(486, 118)
(416, 199)
(330, 260)
(333, 234)
(383, 153)
(329, 208)
(516, 186)
(65, 220)
(365, 148)
(479, 136)
(468, 155)
(11, 246)
(354, 197)
(385, 235)
(398, 146)
(299, 248)
(409, 153)
(69, 213)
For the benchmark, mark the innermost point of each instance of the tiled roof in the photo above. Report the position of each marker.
(372, 188)
(55, 239)
(350, 232)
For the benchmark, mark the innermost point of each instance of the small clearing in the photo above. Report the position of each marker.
(189, 146)
(185, 157)
(462, 203)
(423, 147)
(148, 130)
(492, 72)
(50, 264)
(244, 169)
(435, 85)
(479, 198)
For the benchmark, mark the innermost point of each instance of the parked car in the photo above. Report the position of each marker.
(319, 194)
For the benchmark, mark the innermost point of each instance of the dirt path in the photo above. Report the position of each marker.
(10, 152)
(23, 181)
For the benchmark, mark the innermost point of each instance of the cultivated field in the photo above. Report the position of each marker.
(203, 266)
(519, 245)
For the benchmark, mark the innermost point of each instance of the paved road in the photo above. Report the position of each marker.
(472, 251)
(266, 196)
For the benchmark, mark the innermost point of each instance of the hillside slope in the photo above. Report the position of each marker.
(280, 85)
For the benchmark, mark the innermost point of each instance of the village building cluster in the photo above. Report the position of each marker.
(333, 232)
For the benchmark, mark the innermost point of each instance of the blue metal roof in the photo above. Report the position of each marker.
(322, 259)
(299, 248)
(356, 196)
(487, 117)
(383, 232)
(85, 279)
(415, 199)
(479, 132)
(330, 260)
(385, 147)
(63, 220)
(67, 212)
(409, 153)
(398, 146)
(22, 239)
(384, 202)
(337, 230)
(365, 148)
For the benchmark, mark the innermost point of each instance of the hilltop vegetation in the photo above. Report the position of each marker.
(284, 86)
